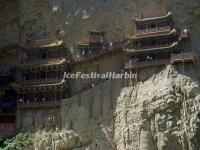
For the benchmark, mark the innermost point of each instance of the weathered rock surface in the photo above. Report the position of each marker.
(160, 113)
(9, 31)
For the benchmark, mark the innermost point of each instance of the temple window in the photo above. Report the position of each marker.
(153, 42)
(43, 75)
(153, 25)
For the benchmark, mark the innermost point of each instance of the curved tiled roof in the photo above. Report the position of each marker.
(164, 48)
(168, 15)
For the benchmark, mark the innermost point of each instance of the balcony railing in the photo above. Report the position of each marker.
(152, 30)
(175, 58)
(33, 105)
(43, 61)
(116, 45)
(43, 81)
(148, 63)
(152, 46)
(183, 57)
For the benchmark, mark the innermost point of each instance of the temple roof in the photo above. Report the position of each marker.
(39, 64)
(155, 49)
(39, 87)
(96, 32)
(146, 36)
(83, 44)
(42, 44)
(168, 15)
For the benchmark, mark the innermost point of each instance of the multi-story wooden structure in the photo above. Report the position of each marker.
(86, 51)
(97, 47)
(155, 42)
(7, 106)
(40, 82)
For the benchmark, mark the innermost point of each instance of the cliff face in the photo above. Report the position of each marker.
(115, 17)
(37, 20)
(160, 113)
(9, 32)
(73, 18)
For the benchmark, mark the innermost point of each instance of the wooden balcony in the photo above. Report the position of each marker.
(158, 35)
(44, 81)
(150, 31)
(39, 87)
(152, 46)
(143, 64)
(175, 58)
(79, 59)
(38, 105)
(183, 57)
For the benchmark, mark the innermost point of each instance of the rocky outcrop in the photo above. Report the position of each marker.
(38, 21)
(9, 31)
(159, 113)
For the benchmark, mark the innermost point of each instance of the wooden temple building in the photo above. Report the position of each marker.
(87, 51)
(39, 78)
(95, 48)
(7, 105)
(155, 43)
(40, 82)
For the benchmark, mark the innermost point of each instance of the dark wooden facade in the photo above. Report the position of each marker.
(40, 79)
(154, 42)
(7, 106)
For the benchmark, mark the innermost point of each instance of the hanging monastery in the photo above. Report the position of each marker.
(36, 89)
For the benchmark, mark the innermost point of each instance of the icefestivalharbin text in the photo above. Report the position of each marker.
(94, 75)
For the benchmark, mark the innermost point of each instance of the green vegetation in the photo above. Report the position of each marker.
(21, 141)
(17, 143)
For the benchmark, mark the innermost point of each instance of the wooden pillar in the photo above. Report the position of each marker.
(61, 70)
(23, 97)
(34, 96)
(156, 56)
(55, 95)
(156, 26)
(46, 75)
(35, 74)
(146, 27)
(57, 72)
(60, 94)
(47, 53)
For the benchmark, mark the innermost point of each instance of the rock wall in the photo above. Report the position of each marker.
(156, 114)
(38, 119)
(37, 20)
(90, 115)
(9, 22)
(108, 63)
